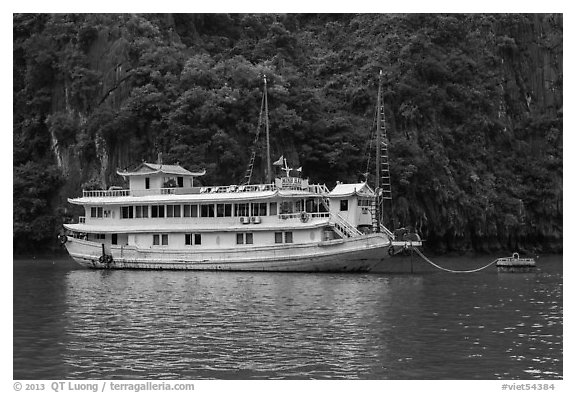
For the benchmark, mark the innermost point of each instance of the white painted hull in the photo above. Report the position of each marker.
(358, 254)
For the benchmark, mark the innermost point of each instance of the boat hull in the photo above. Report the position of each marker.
(359, 254)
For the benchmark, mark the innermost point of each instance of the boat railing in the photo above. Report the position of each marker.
(386, 231)
(241, 188)
(318, 189)
(105, 193)
(343, 226)
(314, 188)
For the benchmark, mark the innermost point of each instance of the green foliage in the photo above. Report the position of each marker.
(35, 226)
(473, 109)
(63, 128)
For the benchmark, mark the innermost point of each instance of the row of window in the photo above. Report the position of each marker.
(195, 239)
(215, 210)
(201, 210)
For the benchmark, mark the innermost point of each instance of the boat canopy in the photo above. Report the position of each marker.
(345, 190)
(147, 169)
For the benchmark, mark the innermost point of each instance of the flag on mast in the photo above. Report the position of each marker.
(299, 169)
(279, 162)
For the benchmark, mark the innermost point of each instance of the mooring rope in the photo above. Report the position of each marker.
(450, 270)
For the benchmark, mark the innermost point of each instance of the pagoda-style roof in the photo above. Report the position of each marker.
(150, 169)
(346, 190)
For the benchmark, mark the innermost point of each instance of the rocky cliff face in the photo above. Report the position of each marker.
(533, 77)
(474, 104)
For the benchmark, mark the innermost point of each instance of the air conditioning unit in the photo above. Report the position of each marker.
(245, 220)
(256, 220)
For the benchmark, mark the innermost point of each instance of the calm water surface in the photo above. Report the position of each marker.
(86, 324)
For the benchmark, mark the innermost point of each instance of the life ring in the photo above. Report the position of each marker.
(304, 217)
(63, 239)
(515, 256)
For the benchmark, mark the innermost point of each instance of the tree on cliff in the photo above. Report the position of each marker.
(473, 108)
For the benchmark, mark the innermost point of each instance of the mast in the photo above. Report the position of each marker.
(378, 153)
(268, 162)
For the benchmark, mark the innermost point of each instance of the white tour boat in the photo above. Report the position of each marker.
(163, 221)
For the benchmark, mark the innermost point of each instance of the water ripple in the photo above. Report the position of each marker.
(170, 325)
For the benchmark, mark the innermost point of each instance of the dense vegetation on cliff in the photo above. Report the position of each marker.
(473, 108)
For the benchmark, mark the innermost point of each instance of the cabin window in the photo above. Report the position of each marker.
(207, 210)
(147, 181)
(141, 211)
(172, 210)
(157, 211)
(96, 212)
(114, 238)
(224, 210)
(169, 182)
(244, 238)
(156, 239)
(127, 212)
(344, 205)
(100, 236)
(180, 181)
(312, 205)
(191, 239)
(287, 237)
(273, 208)
(309, 205)
(258, 209)
(241, 209)
(190, 210)
(278, 237)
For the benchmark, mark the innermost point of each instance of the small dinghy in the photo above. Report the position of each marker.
(515, 264)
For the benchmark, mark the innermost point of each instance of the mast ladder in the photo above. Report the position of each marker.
(386, 184)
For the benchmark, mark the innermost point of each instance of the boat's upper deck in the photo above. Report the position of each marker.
(283, 187)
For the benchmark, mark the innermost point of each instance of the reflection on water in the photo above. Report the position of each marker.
(75, 323)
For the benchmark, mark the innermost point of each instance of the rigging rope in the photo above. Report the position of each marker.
(368, 151)
(450, 270)
(248, 175)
